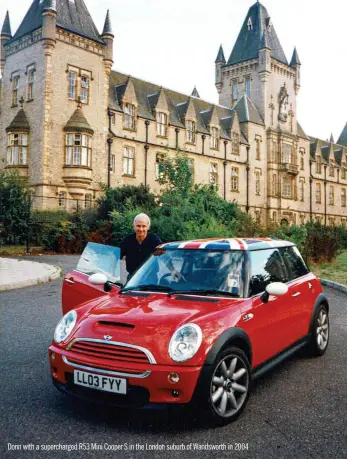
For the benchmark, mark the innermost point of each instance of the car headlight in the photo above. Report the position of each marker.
(185, 342)
(65, 326)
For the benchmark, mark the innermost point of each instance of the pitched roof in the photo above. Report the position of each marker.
(248, 42)
(6, 27)
(107, 29)
(220, 57)
(295, 60)
(147, 94)
(324, 147)
(71, 15)
(247, 112)
(19, 122)
(342, 140)
(300, 132)
(78, 123)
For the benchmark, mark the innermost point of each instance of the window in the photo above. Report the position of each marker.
(88, 201)
(84, 94)
(317, 193)
(234, 179)
(30, 93)
(17, 149)
(343, 197)
(332, 169)
(235, 90)
(266, 267)
(332, 196)
(78, 150)
(72, 85)
(190, 131)
(318, 165)
(302, 219)
(318, 219)
(287, 187)
(286, 153)
(274, 217)
(160, 157)
(191, 166)
(15, 84)
(302, 192)
(62, 199)
(258, 216)
(344, 173)
(332, 221)
(128, 161)
(250, 24)
(213, 174)
(295, 266)
(113, 119)
(161, 124)
(247, 86)
(274, 152)
(129, 116)
(214, 138)
(274, 185)
(113, 163)
(302, 153)
(235, 143)
(258, 148)
(257, 182)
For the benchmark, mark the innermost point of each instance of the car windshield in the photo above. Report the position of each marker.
(99, 258)
(190, 270)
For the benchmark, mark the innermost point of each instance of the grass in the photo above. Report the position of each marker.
(15, 249)
(335, 271)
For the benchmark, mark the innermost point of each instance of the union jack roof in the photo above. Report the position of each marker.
(228, 244)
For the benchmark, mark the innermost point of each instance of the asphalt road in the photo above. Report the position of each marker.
(297, 411)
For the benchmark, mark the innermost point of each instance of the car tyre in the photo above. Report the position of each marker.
(320, 332)
(227, 387)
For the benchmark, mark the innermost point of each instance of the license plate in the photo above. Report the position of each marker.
(100, 382)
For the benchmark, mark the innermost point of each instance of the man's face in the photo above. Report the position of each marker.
(141, 228)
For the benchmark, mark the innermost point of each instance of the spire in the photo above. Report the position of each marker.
(332, 138)
(107, 30)
(295, 59)
(342, 140)
(220, 57)
(251, 34)
(195, 93)
(6, 28)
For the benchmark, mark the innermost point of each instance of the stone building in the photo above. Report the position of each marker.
(69, 122)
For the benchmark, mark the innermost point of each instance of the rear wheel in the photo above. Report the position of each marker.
(320, 332)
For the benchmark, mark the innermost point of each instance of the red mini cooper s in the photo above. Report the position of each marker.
(195, 324)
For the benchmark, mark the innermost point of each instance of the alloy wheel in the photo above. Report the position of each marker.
(322, 330)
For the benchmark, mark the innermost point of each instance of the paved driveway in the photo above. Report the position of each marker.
(297, 411)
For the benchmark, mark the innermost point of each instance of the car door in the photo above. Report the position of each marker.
(96, 258)
(302, 289)
(266, 323)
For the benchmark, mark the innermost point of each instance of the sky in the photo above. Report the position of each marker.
(175, 44)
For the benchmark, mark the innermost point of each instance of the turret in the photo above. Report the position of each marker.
(49, 20)
(6, 35)
(219, 62)
(108, 38)
(296, 64)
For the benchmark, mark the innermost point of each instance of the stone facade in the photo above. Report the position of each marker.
(91, 125)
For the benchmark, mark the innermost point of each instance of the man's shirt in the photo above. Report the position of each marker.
(137, 253)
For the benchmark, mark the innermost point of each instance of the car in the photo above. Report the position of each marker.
(194, 325)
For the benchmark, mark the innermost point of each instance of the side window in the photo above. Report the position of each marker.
(266, 267)
(294, 263)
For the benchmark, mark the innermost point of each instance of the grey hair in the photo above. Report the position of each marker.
(143, 216)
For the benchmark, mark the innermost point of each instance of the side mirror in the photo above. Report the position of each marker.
(274, 288)
(97, 279)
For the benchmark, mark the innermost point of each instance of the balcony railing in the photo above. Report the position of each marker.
(290, 168)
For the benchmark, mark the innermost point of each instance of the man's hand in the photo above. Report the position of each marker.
(177, 276)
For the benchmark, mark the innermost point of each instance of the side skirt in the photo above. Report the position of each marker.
(283, 355)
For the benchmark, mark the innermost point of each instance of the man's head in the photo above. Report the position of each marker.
(141, 226)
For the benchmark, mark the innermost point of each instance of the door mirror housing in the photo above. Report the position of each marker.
(97, 279)
(274, 288)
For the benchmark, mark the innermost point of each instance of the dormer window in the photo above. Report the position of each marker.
(214, 139)
(129, 116)
(161, 124)
(190, 131)
(235, 143)
(250, 24)
(332, 169)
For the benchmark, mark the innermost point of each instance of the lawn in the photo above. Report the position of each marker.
(335, 271)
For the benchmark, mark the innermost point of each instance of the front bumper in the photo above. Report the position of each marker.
(145, 386)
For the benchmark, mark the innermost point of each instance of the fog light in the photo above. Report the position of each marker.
(175, 393)
(53, 356)
(173, 377)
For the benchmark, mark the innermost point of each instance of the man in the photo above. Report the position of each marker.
(138, 246)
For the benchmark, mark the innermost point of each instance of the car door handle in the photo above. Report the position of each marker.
(70, 281)
(296, 294)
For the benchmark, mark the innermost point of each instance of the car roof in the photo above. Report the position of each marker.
(229, 244)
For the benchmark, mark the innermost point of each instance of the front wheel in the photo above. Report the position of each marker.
(319, 339)
(227, 389)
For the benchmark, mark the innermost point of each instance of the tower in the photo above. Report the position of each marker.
(5, 36)
(220, 61)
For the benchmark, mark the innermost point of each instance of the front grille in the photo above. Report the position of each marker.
(111, 351)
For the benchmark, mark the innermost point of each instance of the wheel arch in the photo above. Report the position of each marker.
(321, 299)
(232, 337)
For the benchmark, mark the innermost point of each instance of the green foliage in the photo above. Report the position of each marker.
(176, 174)
(293, 233)
(123, 198)
(323, 243)
(15, 207)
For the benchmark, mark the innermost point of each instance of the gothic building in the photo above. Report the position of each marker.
(69, 122)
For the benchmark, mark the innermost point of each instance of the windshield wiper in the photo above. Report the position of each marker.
(144, 287)
(203, 292)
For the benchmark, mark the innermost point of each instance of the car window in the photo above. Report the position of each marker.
(266, 267)
(294, 263)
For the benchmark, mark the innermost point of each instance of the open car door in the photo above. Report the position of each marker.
(96, 258)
